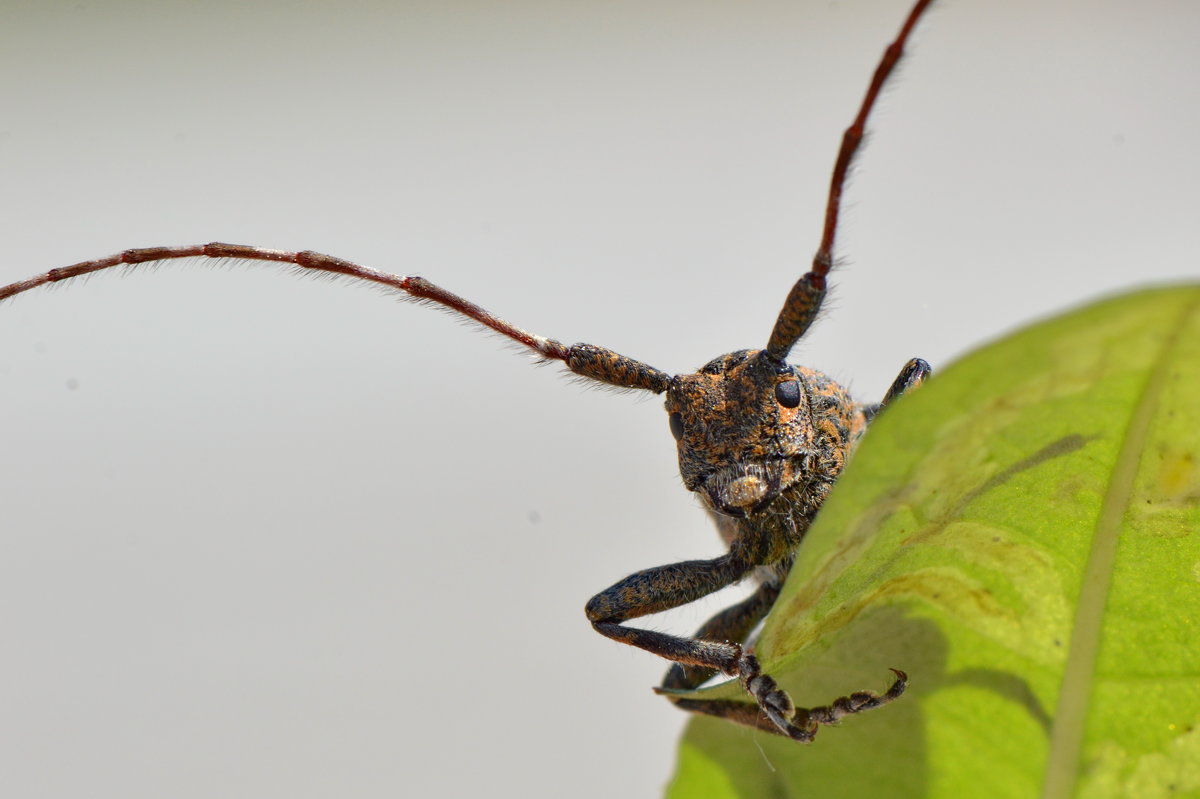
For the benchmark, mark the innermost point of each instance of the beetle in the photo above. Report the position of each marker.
(187, 220)
(760, 441)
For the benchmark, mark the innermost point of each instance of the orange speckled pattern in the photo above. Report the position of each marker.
(736, 433)
(610, 367)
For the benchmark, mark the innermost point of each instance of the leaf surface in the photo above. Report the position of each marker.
(1022, 536)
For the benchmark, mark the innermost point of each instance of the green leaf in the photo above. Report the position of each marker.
(1022, 536)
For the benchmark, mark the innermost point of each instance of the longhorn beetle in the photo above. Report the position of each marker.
(760, 441)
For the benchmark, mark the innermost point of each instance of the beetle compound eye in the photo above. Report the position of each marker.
(788, 393)
(676, 422)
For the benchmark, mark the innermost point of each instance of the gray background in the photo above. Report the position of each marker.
(273, 536)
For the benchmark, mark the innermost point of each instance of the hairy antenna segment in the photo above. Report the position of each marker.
(804, 300)
(586, 360)
(607, 366)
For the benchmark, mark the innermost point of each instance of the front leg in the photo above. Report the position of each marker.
(799, 724)
(662, 588)
(912, 375)
(665, 587)
(732, 624)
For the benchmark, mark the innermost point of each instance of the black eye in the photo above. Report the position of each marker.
(788, 393)
(676, 422)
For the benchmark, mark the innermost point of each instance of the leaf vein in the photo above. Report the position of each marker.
(1066, 740)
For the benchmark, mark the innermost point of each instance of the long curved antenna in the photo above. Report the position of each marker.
(804, 300)
(596, 363)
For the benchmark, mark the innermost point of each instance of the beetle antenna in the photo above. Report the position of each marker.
(804, 300)
(587, 360)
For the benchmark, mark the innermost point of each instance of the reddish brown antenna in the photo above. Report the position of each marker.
(804, 300)
(597, 363)
(586, 360)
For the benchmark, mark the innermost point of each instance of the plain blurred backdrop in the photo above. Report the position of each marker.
(271, 536)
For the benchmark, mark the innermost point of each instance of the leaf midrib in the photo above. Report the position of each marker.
(1066, 740)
